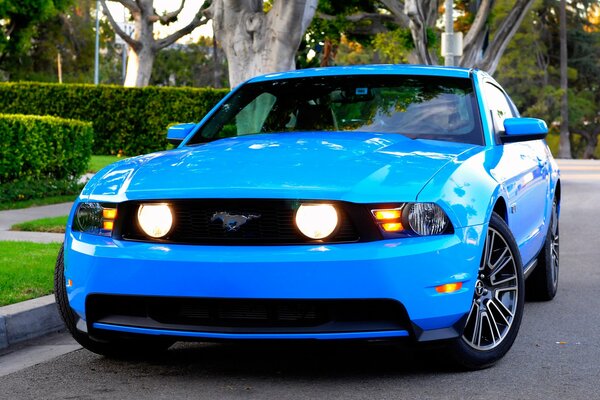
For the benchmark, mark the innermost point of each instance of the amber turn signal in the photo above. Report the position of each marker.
(392, 227)
(383, 215)
(449, 287)
(109, 213)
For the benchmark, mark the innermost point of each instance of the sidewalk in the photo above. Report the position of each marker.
(10, 217)
(38, 317)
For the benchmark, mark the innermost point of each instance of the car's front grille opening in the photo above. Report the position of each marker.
(259, 222)
(247, 315)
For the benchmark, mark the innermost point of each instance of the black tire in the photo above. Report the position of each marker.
(121, 348)
(495, 316)
(542, 284)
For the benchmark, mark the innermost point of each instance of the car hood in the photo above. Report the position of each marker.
(350, 166)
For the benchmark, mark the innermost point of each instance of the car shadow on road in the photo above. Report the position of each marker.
(297, 360)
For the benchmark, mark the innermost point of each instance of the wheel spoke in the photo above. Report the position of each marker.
(500, 313)
(502, 307)
(486, 251)
(494, 329)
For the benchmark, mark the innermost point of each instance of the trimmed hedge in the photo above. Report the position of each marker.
(130, 121)
(41, 155)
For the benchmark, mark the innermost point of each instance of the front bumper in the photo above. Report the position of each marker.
(404, 270)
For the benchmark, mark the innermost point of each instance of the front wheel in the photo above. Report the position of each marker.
(495, 315)
(115, 348)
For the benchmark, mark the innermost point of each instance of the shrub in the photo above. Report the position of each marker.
(127, 120)
(19, 191)
(41, 155)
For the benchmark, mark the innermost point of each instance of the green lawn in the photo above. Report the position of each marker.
(54, 225)
(99, 162)
(26, 270)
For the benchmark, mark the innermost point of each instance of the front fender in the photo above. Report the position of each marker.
(465, 188)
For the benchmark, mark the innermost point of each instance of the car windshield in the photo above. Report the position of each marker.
(419, 107)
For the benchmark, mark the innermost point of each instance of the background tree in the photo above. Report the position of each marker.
(413, 25)
(143, 46)
(259, 37)
(191, 64)
(19, 21)
(565, 145)
(530, 70)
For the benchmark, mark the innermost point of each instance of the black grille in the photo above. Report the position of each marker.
(247, 315)
(264, 222)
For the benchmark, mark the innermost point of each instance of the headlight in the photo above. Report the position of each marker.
(317, 221)
(155, 220)
(95, 218)
(411, 219)
(427, 219)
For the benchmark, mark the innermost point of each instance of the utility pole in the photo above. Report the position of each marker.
(452, 43)
(97, 54)
(449, 22)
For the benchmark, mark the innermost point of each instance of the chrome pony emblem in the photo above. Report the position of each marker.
(232, 223)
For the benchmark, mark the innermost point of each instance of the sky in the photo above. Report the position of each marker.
(187, 14)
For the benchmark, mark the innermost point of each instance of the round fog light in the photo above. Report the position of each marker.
(316, 221)
(155, 219)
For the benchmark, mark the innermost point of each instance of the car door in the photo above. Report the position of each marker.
(523, 170)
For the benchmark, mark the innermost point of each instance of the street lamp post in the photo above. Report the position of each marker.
(451, 42)
(449, 22)
(97, 54)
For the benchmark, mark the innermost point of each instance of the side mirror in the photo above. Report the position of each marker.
(523, 129)
(177, 133)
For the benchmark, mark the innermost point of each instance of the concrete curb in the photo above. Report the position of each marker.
(28, 319)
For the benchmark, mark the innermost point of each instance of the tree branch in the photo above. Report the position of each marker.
(507, 29)
(167, 18)
(198, 20)
(396, 7)
(128, 39)
(478, 23)
(418, 28)
(376, 22)
(131, 5)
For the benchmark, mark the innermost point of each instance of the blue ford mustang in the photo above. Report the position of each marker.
(373, 202)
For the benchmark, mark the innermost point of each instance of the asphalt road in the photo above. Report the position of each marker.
(556, 355)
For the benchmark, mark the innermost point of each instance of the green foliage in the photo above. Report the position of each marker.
(190, 65)
(27, 270)
(42, 156)
(36, 148)
(127, 121)
(530, 72)
(394, 46)
(19, 20)
(24, 191)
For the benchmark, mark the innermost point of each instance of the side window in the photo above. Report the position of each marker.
(499, 108)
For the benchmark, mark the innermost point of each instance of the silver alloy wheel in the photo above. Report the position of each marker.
(554, 247)
(496, 295)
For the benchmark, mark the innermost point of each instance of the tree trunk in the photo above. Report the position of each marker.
(143, 47)
(139, 67)
(591, 142)
(256, 42)
(565, 144)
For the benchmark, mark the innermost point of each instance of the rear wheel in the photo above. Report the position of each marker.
(112, 348)
(542, 284)
(495, 315)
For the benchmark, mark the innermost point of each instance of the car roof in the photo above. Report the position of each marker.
(389, 69)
